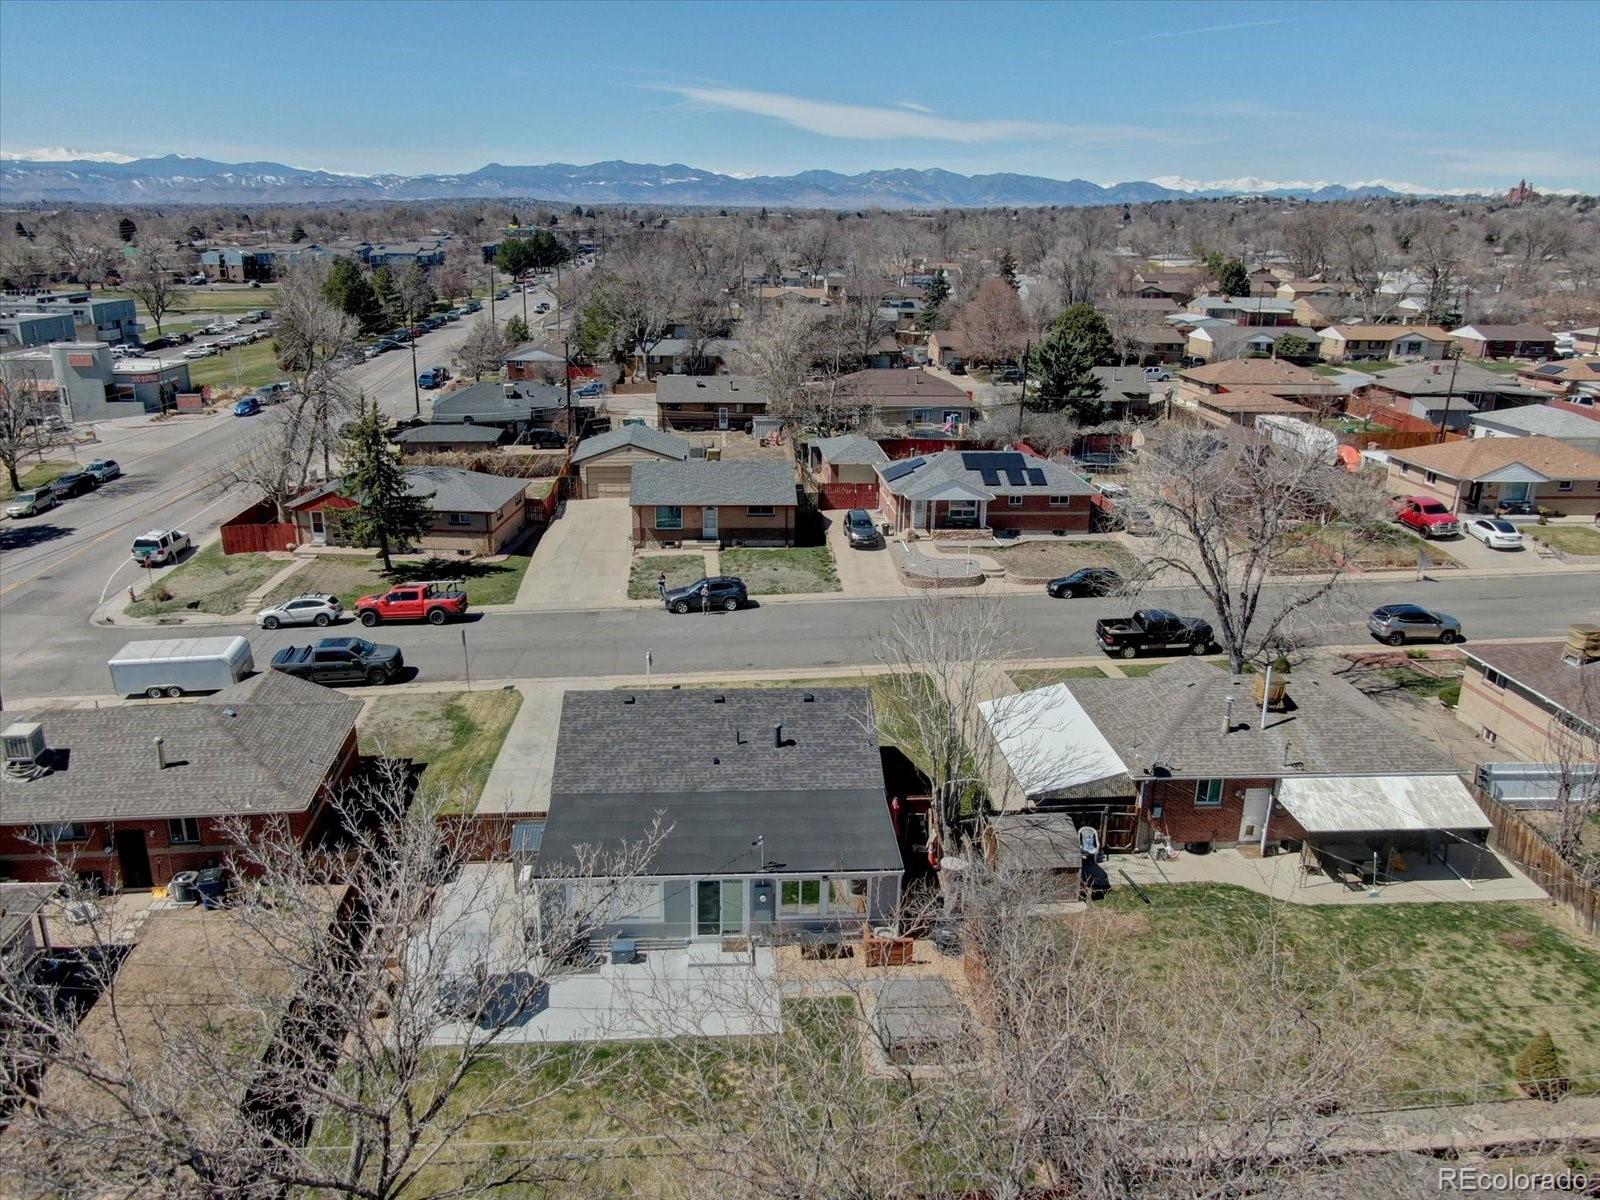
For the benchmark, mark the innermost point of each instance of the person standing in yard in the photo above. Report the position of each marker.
(661, 584)
(1089, 843)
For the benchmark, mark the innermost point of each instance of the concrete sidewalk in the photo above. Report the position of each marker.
(519, 781)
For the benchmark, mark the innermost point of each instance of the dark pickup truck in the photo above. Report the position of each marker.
(1153, 629)
(341, 660)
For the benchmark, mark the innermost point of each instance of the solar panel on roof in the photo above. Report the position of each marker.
(990, 477)
(895, 470)
(1016, 477)
(1035, 477)
(1552, 369)
(994, 460)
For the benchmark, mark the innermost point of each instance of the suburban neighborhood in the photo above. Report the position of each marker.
(646, 681)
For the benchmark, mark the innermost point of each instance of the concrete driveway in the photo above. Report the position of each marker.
(862, 572)
(583, 559)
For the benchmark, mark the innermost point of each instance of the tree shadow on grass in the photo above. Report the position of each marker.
(446, 568)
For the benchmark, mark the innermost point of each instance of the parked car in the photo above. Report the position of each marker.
(214, 327)
(590, 390)
(1008, 375)
(1398, 624)
(1495, 532)
(104, 469)
(544, 439)
(1425, 515)
(1135, 521)
(431, 378)
(413, 602)
(313, 608)
(386, 345)
(1157, 375)
(248, 407)
(274, 393)
(1087, 581)
(956, 367)
(502, 294)
(341, 660)
(197, 352)
(860, 529)
(473, 306)
(1153, 629)
(726, 592)
(73, 483)
(159, 546)
(32, 502)
(541, 307)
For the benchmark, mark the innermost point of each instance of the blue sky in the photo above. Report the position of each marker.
(1440, 95)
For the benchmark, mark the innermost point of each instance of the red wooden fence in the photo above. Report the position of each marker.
(256, 529)
(847, 495)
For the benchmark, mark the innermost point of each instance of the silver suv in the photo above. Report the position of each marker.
(1398, 624)
(314, 608)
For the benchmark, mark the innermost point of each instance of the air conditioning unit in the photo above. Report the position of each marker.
(511, 392)
(24, 743)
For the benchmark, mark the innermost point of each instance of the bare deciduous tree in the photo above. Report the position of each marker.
(22, 418)
(778, 350)
(312, 337)
(482, 352)
(151, 277)
(992, 323)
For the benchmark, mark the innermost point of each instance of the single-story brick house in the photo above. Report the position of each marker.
(513, 406)
(1186, 753)
(1576, 429)
(1379, 343)
(605, 462)
(945, 345)
(1125, 394)
(1571, 377)
(774, 803)
(1244, 310)
(1448, 392)
(534, 363)
(985, 491)
(1478, 474)
(846, 458)
(748, 503)
(1155, 344)
(1532, 697)
(134, 794)
(474, 513)
(1505, 341)
(910, 398)
(1261, 376)
(684, 356)
(442, 439)
(1213, 343)
(1242, 406)
(709, 401)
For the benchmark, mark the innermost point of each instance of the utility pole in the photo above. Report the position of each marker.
(1022, 400)
(566, 362)
(416, 388)
(1450, 391)
(491, 292)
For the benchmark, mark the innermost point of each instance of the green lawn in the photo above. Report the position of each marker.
(782, 572)
(1450, 992)
(1061, 556)
(247, 367)
(35, 476)
(201, 300)
(1027, 679)
(457, 734)
(210, 582)
(351, 577)
(1569, 539)
(680, 569)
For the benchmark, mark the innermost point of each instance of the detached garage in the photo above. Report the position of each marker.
(605, 463)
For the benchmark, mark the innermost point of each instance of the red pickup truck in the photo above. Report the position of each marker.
(412, 602)
(1426, 515)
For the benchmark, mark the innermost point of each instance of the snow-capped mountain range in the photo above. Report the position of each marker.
(176, 179)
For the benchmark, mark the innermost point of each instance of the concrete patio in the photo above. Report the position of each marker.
(1487, 877)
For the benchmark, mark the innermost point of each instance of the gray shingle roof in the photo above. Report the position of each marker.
(487, 401)
(850, 449)
(262, 746)
(448, 489)
(641, 437)
(895, 387)
(1175, 716)
(700, 481)
(19, 904)
(711, 763)
(949, 467)
(1542, 420)
(429, 434)
(1505, 333)
(1433, 379)
(710, 389)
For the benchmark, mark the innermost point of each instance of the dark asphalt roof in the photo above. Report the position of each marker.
(702, 481)
(710, 763)
(710, 389)
(261, 746)
(640, 437)
(488, 401)
(456, 432)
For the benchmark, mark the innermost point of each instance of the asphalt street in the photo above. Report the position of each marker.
(806, 635)
(55, 569)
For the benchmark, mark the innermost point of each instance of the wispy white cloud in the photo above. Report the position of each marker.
(914, 106)
(66, 154)
(874, 123)
(1167, 34)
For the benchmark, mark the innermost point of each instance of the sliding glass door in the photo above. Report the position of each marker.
(718, 907)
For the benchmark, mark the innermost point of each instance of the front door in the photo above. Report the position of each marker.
(319, 527)
(708, 522)
(134, 858)
(1256, 803)
(722, 418)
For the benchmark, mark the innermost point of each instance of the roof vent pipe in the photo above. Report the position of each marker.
(161, 754)
(777, 737)
(1227, 716)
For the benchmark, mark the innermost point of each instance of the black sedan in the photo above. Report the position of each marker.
(73, 483)
(1089, 581)
(725, 592)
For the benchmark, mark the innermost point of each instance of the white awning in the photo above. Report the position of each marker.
(1049, 742)
(1369, 803)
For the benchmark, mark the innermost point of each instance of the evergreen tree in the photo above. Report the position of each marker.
(1233, 279)
(297, 234)
(126, 229)
(516, 332)
(1293, 346)
(535, 253)
(1008, 267)
(1064, 361)
(349, 290)
(383, 287)
(938, 291)
(386, 515)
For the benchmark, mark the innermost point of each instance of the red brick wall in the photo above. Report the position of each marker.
(1183, 822)
(1036, 514)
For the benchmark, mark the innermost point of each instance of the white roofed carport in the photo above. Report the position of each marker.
(1387, 803)
(1049, 742)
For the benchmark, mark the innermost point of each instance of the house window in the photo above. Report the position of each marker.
(458, 519)
(1207, 793)
(1490, 735)
(1060, 501)
(669, 516)
(183, 831)
(760, 510)
(1013, 501)
(802, 897)
(1432, 477)
(847, 896)
(1564, 485)
(1493, 678)
(66, 831)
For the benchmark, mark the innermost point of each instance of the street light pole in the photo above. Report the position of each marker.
(416, 388)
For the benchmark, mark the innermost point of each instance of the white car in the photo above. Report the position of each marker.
(314, 608)
(159, 547)
(199, 352)
(1495, 533)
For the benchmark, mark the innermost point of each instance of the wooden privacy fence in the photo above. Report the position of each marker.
(847, 495)
(257, 529)
(1526, 845)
